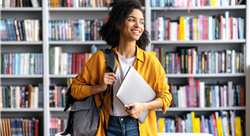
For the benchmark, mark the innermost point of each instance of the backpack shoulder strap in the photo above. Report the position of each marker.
(110, 59)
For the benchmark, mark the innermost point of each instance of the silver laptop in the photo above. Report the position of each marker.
(135, 89)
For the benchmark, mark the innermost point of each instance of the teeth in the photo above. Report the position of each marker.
(135, 31)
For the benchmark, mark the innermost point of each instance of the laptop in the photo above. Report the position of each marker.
(135, 89)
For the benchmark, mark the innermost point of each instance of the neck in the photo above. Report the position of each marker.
(127, 48)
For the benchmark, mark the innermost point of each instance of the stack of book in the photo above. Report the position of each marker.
(21, 96)
(199, 94)
(19, 126)
(188, 60)
(21, 30)
(74, 30)
(222, 123)
(21, 63)
(199, 27)
(194, 3)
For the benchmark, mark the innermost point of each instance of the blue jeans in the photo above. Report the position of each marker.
(122, 126)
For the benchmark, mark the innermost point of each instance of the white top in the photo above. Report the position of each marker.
(124, 63)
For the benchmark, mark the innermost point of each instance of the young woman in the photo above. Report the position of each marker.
(125, 33)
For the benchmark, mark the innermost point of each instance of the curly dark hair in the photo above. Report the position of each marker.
(118, 14)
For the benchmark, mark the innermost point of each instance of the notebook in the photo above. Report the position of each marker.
(135, 89)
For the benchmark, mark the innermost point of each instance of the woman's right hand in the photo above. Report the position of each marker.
(108, 79)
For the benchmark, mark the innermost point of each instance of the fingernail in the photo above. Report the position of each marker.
(125, 105)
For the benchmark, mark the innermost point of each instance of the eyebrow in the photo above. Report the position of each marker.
(135, 17)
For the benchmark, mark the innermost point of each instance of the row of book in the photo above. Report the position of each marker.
(188, 60)
(67, 63)
(194, 3)
(220, 123)
(199, 94)
(57, 125)
(21, 30)
(19, 127)
(20, 3)
(74, 30)
(57, 96)
(78, 3)
(199, 27)
(21, 63)
(21, 96)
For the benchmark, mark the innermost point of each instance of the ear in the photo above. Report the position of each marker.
(118, 25)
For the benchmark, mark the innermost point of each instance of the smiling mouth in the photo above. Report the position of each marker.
(137, 32)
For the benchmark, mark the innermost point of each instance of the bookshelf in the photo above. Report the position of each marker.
(205, 45)
(21, 9)
(205, 109)
(46, 13)
(201, 8)
(199, 42)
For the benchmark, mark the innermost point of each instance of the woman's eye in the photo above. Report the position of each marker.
(130, 20)
(141, 23)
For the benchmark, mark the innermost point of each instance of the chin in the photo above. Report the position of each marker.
(136, 38)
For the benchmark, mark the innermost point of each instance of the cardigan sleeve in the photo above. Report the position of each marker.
(90, 75)
(80, 87)
(162, 89)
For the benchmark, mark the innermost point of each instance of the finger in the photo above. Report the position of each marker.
(130, 105)
(110, 77)
(111, 74)
(112, 81)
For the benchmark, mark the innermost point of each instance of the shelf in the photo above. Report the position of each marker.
(204, 109)
(21, 43)
(21, 9)
(63, 76)
(22, 110)
(177, 109)
(58, 109)
(76, 42)
(198, 41)
(79, 9)
(205, 75)
(201, 8)
(21, 76)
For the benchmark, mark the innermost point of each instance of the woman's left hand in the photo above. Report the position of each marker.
(136, 109)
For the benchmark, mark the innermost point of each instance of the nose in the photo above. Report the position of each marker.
(137, 23)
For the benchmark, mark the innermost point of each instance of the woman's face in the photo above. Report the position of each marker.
(133, 26)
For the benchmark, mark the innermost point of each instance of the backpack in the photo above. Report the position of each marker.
(83, 118)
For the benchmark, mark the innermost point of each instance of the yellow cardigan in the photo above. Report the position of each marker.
(147, 65)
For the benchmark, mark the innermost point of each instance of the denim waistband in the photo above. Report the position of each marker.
(121, 118)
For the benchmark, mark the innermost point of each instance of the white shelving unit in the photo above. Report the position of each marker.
(205, 75)
(21, 9)
(174, 13)
(22, 110)
(79, 9)
(21, 43)
(46, 13)
(199, 42)
(201, 8)
(205, 109)
(21, 76)
(76, 43)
